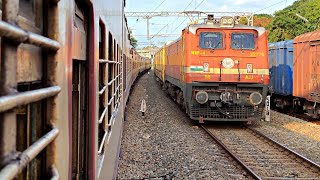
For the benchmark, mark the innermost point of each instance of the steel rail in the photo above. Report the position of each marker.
(286, 148)
(246, 168)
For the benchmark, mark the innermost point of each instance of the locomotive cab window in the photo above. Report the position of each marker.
(211, 40)
(242, 41)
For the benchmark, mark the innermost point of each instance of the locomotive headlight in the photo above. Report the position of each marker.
(202, 97)
(227, 21)
(249, 68)
(255, 98)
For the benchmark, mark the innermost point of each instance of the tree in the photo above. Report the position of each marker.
(261, 20)
(286, 24)
(133, 41)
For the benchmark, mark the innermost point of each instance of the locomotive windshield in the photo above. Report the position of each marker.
(242, 41)
(211, 40)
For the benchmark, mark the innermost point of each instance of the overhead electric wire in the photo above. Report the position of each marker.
(159, 5)
(171, 21)
(270, 6)
(153, 11)
(183, 10)
(187, 18)
(178, 17)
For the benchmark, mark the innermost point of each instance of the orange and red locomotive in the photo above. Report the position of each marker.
(217, 71)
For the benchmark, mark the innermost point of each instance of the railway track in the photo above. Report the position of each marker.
(260, 156)
(300, 116)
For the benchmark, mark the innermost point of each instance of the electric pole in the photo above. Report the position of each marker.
(192, 15)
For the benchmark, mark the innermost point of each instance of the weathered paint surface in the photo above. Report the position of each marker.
(306, 68)
(77, 43)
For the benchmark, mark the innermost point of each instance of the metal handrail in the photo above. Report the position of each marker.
(23, 98)
(17, 34)
(13, 169)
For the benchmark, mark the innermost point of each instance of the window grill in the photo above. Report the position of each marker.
(12, 36)
(110, 89)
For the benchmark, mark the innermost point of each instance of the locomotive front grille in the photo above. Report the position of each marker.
(235, 113)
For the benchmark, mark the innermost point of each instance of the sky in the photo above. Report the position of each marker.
(170, 27)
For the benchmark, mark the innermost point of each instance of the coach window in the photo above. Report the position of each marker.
(121, 73)
(27, 132)
(211, 40)
(30, 125)
(111, 70)
(124, 71)
(116, 78)
(121, 69)
(242, 41)
(103, 88)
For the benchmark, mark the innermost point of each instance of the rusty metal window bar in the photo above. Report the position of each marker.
(108, 131)
(11, 37)
(110, 101)
(103, 86)
(108, 61)
(21, 36)
(116, 96)
(108, 91)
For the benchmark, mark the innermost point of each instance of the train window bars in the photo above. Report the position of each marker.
(13, 102)
(110, 89)
(103, 88)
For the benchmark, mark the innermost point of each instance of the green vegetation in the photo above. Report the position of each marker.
(262, 20)
(133, 41)
(286, 24)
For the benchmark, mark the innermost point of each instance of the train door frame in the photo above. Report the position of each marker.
(82, 163)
